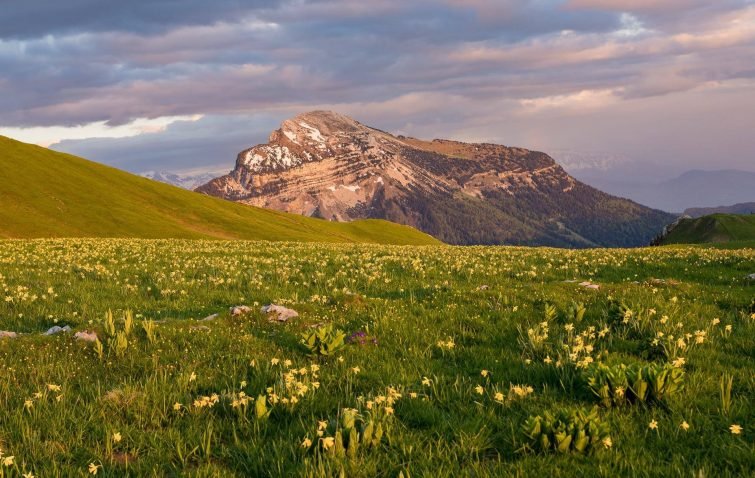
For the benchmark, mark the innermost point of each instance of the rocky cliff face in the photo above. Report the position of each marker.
(327, 165)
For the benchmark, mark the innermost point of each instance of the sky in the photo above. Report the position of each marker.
(638, 89)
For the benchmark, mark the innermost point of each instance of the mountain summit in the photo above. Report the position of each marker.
(328, 165)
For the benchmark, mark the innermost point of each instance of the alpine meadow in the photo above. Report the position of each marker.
(404, 360)
(377, 239)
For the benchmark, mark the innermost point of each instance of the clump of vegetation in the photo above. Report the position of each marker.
(325, 340)
(620, 384)
(566, 431)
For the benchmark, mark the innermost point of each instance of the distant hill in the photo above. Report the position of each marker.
(185, 181)
(715, 228)
(742, 208)
(44, 193)
(693, 189)
(327, 165)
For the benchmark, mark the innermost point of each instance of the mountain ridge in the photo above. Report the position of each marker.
(328, 165)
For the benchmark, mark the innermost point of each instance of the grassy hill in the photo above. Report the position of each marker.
(44, 193)
(715, 228)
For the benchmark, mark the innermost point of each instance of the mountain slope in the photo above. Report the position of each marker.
(716, 228)
(741, 208)
(328, 165)
(49, 194)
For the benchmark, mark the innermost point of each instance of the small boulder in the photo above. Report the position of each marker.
(751, 276)
(56, 329)
(279, 313)
(210, 317)
(240, 310)
(483, 287)
(7, 334)
(86, 336)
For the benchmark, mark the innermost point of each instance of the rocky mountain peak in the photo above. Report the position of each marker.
(328, 165)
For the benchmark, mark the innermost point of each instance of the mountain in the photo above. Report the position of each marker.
(44, 193)
(741, 208)
(693, 189)
(715, 228)
(185, 181)
(327, 165)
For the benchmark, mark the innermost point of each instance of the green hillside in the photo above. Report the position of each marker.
(715, 228)
(44, 193)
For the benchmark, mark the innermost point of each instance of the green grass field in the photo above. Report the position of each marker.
(735, 229)
(461, 346)
(44, 193)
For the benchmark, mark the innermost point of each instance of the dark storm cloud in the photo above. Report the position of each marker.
(37, 18)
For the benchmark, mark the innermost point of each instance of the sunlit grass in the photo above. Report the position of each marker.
(450, 350)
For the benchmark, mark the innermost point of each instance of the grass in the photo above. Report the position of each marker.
(49, 194)
(737, 229)
(440, 316)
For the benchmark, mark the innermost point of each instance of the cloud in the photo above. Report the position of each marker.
(453, 68)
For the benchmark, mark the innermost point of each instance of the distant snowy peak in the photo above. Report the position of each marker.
(185, 181)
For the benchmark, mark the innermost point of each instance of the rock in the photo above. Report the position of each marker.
(589, 285)
(56, 329)
(751, 276)
(210, 317)
(203, 328)
(86, 336)
(483, 287)
(240, 310)
(6, 334)
(282, 314)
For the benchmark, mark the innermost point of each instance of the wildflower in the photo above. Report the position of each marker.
(243, 383)
(735, 429)
(274, 361)
(728, 328)
(356, 370)
(369, 404)
(177, 406)
(425, 381)
(412, 394)
(53, 388)
(569, 327)
(389, 410)
(93, 468)
(117, 437)
(684, 425)
(479, 389)
(28, 475)
(715, 321)
(653, 425)
(28, 404)
(306, 443)
(607, 442)
(498, 397)
(322, 425)
(340, 359)
(327, 442)
(192, 378)
(484, 373)
(679, 362)
(8, 460)
(548, 360)
(287, 363)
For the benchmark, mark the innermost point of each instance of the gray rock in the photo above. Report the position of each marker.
(210, 317)
(6, 334)
(279, 313)
(240, 310)
(86, 336)
(56, 329)
(751, 276)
